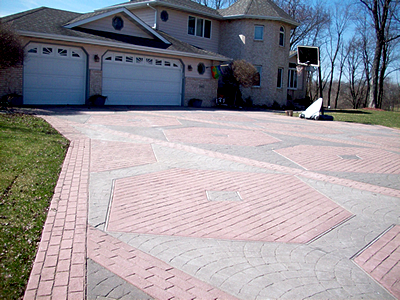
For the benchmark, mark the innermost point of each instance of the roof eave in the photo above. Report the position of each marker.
(290, 22)
(119, 45)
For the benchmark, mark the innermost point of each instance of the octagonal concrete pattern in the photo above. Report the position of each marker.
(173, 203)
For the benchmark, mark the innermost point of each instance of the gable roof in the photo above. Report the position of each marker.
(257, 9)
(48, 23)
(87, 18)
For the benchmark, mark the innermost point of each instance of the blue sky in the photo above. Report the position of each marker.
(8, 7)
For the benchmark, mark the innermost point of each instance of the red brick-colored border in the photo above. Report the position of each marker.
(59, 269)
(382, 260)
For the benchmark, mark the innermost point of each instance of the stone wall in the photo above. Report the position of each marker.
(203, 89)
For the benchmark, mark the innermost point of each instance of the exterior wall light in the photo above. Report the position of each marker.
(96, 58)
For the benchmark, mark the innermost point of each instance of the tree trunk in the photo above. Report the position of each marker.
(373, 96)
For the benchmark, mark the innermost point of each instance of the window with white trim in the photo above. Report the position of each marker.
(199, 27)
(258, 33)
(292, 77)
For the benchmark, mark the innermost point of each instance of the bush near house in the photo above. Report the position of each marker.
(11, 49)
(240, 73)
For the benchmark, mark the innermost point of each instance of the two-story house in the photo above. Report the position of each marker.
(148, 52)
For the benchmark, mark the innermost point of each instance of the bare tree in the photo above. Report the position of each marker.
(384, 15)
(355, 74)
(342, 59)
(340, 19)
(313, 17)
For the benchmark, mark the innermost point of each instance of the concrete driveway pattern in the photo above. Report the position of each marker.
(213, 204)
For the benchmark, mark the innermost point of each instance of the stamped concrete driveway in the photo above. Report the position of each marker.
(204, 204)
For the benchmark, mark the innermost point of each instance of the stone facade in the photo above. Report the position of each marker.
(237, 42)
(203, 89)
(95, 82)
(11, 81)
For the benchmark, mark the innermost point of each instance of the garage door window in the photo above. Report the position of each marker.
(33, 50)
(75, 54)
(47, 51)
(62, 52)
(140, 60)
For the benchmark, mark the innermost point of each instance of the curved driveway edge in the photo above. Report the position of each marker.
(203, 204)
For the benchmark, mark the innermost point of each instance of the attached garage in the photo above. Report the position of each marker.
(141, 80)
(54, 75)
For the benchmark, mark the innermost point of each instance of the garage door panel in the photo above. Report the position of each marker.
(142, 83)
(54, 79)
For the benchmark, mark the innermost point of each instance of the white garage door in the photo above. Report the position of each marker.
(141, 80)
(54, 75)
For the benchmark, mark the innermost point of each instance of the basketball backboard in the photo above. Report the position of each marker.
(308, 56)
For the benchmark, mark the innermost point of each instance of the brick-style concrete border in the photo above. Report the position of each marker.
(59, 270)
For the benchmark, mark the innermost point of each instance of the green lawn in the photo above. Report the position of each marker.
(31, 156)
(367, 116)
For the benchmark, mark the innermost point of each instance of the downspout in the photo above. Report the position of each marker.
(155, 16)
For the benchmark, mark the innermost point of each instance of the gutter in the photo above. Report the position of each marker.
(294, 23)
(155, 15)
(119, 45)
(145, 4)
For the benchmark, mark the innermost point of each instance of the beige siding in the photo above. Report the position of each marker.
(177, 26)
(147, 15)
(129, 28)
(194, 63)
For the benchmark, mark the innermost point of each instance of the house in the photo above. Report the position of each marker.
(148, 52)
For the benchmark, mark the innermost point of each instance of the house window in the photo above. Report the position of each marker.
(292, 77)
(282, 37)
(258, 33)
(117, 23)
(201, 68)
(164, 16)
(280, 78)
(199, 27)
(257, 81)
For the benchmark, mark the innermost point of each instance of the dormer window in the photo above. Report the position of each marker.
(199, 27)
